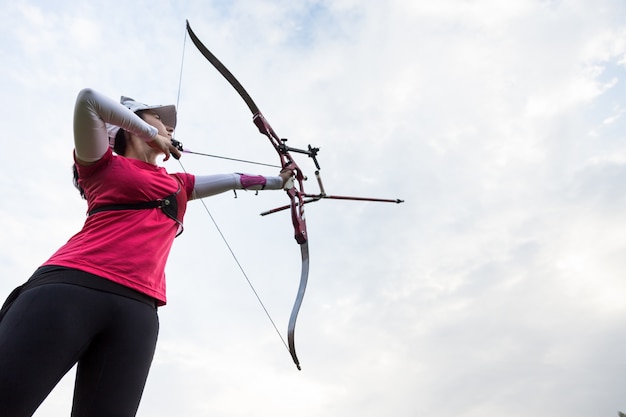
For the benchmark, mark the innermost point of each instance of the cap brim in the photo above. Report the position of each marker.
(166, 113)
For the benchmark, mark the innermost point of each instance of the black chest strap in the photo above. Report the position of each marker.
(131, 206)
(169, 205)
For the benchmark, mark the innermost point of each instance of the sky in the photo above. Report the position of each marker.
(497, 288)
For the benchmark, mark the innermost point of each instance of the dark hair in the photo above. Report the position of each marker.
(75, 180)
(119, 147)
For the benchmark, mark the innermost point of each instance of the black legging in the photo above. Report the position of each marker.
(51, 327)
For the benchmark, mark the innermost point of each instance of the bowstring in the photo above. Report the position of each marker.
(206, 208)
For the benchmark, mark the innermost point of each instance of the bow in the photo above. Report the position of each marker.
(295, 190)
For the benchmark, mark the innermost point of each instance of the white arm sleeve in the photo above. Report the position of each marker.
(208, 185)
(91, 113)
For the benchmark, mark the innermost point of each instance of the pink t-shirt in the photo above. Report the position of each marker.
(129, 247)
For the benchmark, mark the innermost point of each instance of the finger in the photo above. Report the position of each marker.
(166, 151)
(175, 152)
(289, 168)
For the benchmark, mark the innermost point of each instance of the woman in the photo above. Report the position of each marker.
(94, 302)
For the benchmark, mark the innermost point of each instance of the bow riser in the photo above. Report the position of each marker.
(296, 195)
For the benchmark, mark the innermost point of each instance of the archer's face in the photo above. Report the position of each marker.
(153, 119)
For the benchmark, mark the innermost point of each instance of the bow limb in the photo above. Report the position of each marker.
(295, 193)
(304, 276)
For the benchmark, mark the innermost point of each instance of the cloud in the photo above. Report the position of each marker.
(494, 289)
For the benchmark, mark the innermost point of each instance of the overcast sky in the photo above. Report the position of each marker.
(496, 289)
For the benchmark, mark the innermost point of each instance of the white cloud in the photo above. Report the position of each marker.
(494, 289)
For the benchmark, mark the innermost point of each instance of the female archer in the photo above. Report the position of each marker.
(94, 302)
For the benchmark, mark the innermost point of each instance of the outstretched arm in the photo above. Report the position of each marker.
(208, 185)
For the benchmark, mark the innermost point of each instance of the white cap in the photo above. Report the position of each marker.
(167, 113)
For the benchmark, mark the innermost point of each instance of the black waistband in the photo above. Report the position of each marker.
(62, 275)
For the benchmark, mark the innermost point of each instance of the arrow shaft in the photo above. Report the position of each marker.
(229, 158)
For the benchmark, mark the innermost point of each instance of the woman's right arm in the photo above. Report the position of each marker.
(92, 112)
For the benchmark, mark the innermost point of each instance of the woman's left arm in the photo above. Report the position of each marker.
(208, 185)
